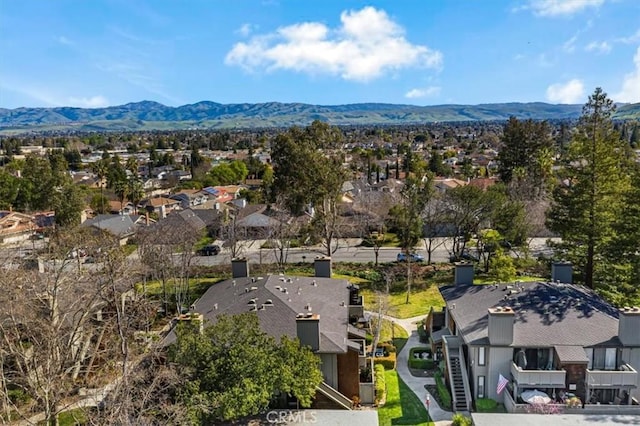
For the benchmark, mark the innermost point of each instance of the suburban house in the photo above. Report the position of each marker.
(189, 198)
(324, 313)
(15, 226)
(555, 337)
(159, 205)
(120, 226)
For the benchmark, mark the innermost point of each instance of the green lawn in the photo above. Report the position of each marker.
(388, 332)
(420, 301)
(402, 406)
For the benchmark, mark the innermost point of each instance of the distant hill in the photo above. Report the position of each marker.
(147, 115)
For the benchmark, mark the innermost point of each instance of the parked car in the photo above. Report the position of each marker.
(414, 257)
(209, 250)
(466, 255)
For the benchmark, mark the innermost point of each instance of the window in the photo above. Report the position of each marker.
(481, 355)
(589, 352)
(610, 359)
(481, 386)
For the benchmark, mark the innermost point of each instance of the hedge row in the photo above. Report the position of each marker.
(380, 384)
(421, 364)
(443, 393)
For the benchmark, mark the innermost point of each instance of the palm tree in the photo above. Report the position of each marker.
(135, 192)
(121, 190)
(132, 166)
(100, 168)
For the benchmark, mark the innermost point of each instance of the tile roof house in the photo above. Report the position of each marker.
(552, 336)
(15, 226)
(320, 311)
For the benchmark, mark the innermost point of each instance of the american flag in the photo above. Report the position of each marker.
(502, 383)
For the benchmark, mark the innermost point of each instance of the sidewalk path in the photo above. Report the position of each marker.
(416, 384)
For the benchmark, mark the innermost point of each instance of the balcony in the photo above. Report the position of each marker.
(609, 378)
(539, 378)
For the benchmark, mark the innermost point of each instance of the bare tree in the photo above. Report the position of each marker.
(54, 320)
(434, 222)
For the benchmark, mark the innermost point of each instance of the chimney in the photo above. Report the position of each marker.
(239, 267)
(562, 272)
(308, 330)
(501, 325)
(628, 326)
(463, 274)
(322, 265)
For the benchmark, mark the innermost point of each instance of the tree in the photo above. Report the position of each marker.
(522, 143)
(308, 174)
(433, 219)
(467, 210)
(233, 369)
(591, 188)
(55, 324)
(406, 217)
(100, 169)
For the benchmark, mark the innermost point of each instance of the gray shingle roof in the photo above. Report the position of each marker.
(118, 225)
(325, 299)
(546, 314)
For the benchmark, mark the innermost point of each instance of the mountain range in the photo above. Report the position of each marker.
(148, 115)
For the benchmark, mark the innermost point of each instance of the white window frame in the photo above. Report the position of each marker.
(481, 386)
(589, 352)
(610, 356)
(482, 355)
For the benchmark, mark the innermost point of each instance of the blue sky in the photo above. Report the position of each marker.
(423, 52)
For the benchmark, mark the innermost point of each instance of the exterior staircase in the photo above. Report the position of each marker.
(460, 391)
(334, 396)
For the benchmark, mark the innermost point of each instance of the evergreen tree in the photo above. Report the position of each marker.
(588, 198)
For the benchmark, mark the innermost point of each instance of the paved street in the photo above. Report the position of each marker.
(348, 251)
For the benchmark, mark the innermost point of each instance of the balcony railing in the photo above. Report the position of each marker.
(539, 378)
(605, 378)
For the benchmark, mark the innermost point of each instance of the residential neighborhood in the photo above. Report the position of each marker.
(446, 299)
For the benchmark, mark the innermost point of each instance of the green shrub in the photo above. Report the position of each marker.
(486, 405)
(388, 347)
(388, 362)
(460, 420)
(443, 393)
(421, 364)
(380, 385)
(18, 396)
(422, 334)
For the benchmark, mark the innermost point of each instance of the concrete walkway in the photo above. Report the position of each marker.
(416, 384)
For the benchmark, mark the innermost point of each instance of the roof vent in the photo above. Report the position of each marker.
(278, 288)
(233, 283)
(263, 307)
(253, 288)
(215, 306)
(498, 308)
(308, 307)
(253, 308)
(314, 283)
(268, 302)
(309, 315)
(300, 315)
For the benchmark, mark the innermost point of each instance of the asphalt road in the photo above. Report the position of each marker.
(347, 252)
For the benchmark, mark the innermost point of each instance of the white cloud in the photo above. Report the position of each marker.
(366, 45)
(571, 92)
(632, 39)
(599, 47)
(92, 102)
(65, 41)
(560, 7)
(630, 91)
(423, 93)
(245, 30)
(570, 45)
